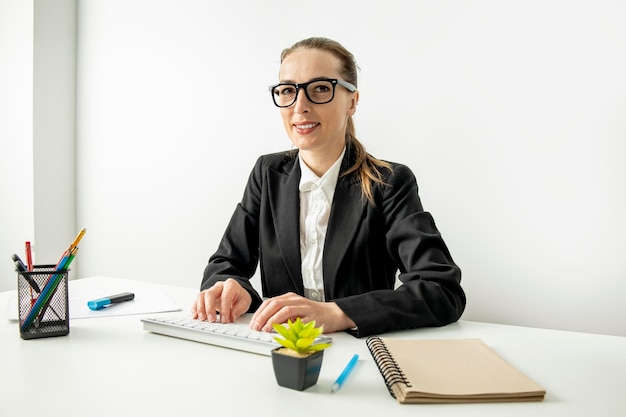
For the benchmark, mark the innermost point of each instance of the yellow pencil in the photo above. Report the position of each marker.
(78, 238)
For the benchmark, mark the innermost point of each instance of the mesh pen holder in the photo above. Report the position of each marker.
(43, 302)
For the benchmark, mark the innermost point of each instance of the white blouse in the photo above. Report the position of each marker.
(316, 199)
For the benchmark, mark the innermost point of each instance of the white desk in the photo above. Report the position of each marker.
(111, 366)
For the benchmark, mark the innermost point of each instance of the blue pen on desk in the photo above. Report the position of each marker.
(344, 374)
(101, 303)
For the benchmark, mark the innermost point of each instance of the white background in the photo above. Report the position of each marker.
(510, 113)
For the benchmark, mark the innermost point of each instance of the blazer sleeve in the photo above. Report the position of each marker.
(430, 293)
(238, 252)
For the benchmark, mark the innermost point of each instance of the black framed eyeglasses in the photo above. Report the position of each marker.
(320, 91)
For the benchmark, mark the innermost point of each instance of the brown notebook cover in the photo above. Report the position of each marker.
(449, 371)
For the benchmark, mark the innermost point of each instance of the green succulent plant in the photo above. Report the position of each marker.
(299, 336)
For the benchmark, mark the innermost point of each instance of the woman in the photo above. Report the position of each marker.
(328, 224)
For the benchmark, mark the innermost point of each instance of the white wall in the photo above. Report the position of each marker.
(37, 138)
(54, 125)
(16, 145)
(510, 114)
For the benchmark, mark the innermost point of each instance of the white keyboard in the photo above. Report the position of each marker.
(236, 335)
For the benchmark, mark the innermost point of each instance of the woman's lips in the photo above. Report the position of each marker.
(304, 128)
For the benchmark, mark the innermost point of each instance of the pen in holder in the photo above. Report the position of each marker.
(43, 302)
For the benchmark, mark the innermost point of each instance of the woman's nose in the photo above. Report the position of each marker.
(302, 104)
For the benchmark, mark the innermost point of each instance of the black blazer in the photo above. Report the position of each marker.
(365, 247)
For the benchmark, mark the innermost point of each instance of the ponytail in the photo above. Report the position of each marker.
(367, 168)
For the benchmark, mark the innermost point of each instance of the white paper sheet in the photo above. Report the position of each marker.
(146, 301)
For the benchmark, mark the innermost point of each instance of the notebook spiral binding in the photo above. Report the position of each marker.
(387, 366)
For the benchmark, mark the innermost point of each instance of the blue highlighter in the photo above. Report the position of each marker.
(101, 303)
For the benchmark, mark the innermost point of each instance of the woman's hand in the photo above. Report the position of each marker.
(290, 306)
(228, 298)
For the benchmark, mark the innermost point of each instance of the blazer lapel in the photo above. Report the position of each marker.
(345, 217)
(284, 197)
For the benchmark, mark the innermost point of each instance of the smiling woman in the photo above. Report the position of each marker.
(317, 130)
(329, 224)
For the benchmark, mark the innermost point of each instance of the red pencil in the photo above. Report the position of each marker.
(29, 256)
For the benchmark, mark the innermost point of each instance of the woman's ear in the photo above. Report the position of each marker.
(353, 103)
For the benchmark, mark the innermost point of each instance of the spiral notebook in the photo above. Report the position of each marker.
(449, 371)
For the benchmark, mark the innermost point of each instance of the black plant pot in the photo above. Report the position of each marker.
(295, 372)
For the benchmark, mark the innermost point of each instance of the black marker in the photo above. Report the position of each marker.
(101, 303)
(19, 265)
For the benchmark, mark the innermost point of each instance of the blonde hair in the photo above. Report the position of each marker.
(366, 167)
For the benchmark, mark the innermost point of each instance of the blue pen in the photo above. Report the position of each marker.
(344, 374)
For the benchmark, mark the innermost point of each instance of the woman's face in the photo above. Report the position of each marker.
(316, 128)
